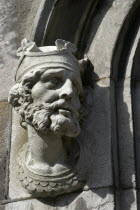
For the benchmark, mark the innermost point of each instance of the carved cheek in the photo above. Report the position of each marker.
(40, 93)
(76, 102)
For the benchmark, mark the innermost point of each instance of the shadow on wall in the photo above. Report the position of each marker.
(101, 10)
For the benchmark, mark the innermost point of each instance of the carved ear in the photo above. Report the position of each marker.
(16, 100)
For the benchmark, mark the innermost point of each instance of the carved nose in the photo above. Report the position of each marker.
(67, 90)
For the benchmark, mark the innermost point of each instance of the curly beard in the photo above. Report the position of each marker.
(58, 117)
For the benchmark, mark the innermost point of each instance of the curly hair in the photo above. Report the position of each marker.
(20, 95)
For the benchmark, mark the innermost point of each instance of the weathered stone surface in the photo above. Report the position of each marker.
(26, 10)
(88, 200)
(100, 53)
(106, 26)
(21, 205)
(98, 158)
(19, 137)
(128, 200)
(95, 199)
(4, 143)
(136, 115)
(131, 57)
(2, 207)
(138, 199)
(8, 45)
(125, 134)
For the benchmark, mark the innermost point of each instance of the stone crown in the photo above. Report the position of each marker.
(59, 56)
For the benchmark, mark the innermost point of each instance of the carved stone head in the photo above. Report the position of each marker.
(48, 95)
(48, 90)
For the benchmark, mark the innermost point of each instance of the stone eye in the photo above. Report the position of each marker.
(54, 81)
(51, 82)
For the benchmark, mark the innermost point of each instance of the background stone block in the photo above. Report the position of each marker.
(26, 12)
(105, 29)
(4, 144)
(8, 45)
(99, 158)
(18, 138)
(101, 199)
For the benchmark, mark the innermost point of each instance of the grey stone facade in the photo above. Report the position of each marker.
(107, 32)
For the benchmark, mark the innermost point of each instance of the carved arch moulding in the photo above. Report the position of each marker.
(124, 73)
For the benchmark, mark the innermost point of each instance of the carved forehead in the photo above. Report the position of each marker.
(47, 66)
(63, 72)
(60, 71)
(40, 71)
(52, 61)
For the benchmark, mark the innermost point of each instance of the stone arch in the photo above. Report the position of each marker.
(69, 20)
(124, 73)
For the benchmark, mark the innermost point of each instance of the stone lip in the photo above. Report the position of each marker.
(46, 186)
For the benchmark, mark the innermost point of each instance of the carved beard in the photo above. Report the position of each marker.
(65, 123)
(58, 117)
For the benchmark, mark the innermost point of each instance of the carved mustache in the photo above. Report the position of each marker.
(60, 104)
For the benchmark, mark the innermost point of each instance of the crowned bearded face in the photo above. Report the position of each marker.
(49, 100)
(48, 90)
